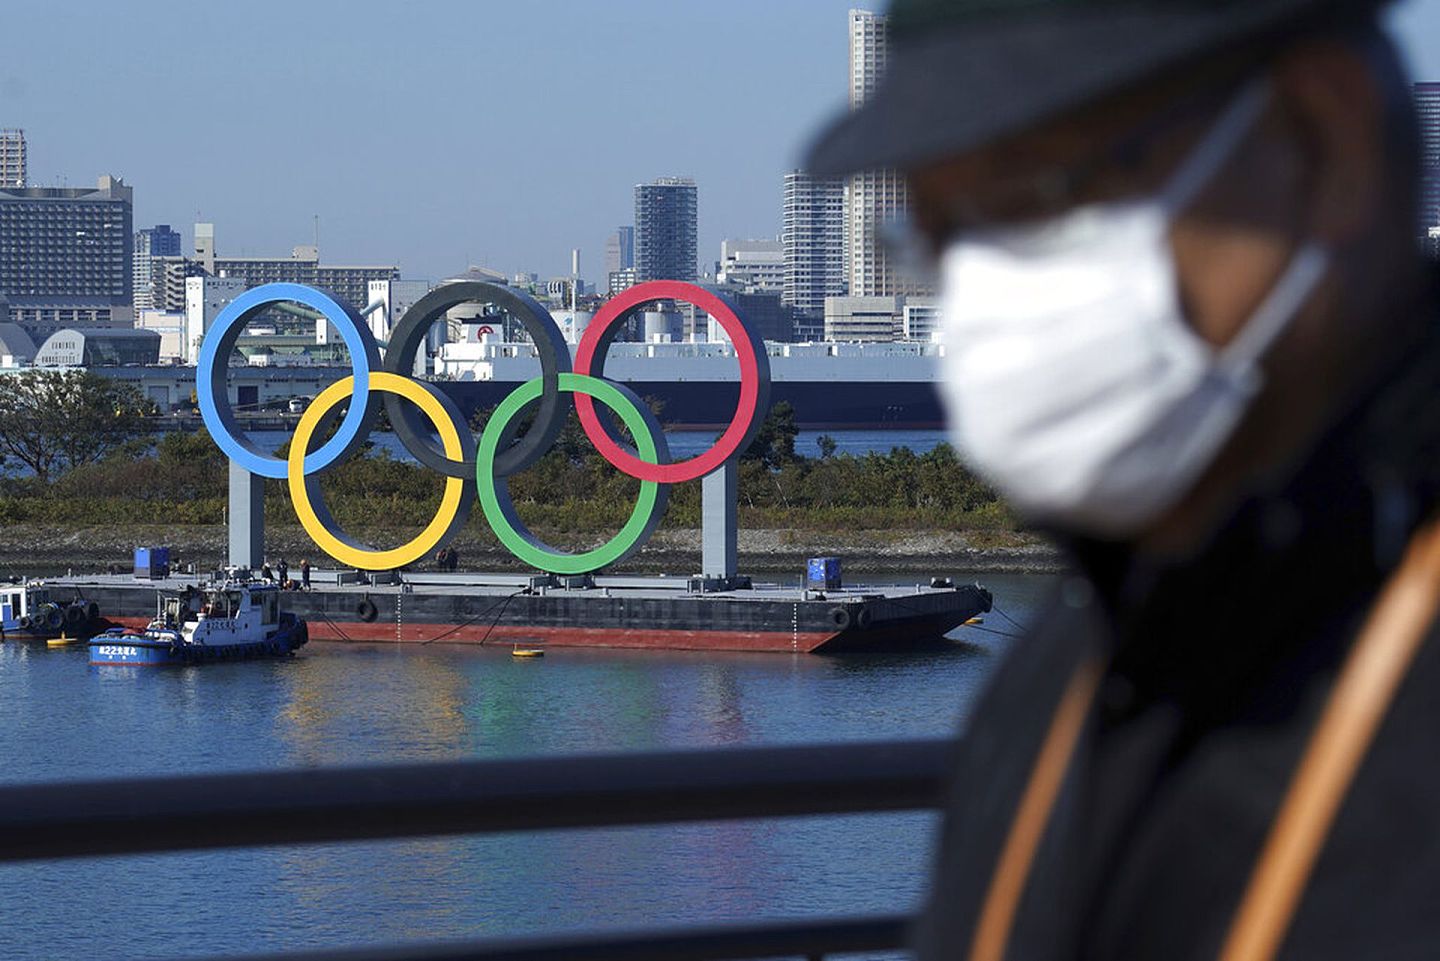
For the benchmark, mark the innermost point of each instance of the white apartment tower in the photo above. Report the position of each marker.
(12, 158)
(874, 197)
(813, 237)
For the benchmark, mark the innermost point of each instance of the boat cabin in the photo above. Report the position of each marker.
(223, 614)
(20, 600)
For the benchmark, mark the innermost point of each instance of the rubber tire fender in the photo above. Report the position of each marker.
(53, 617)
(74, 615)
(25, 622)
(839, 618)
(367, 611)
(92, 611)
(864, 618)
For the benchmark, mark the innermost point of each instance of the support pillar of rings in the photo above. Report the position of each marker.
(719, 522)
(247, 518)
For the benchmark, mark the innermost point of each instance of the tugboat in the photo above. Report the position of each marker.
(32, 611)
(234, 619)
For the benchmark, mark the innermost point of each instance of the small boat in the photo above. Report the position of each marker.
(235, 619)
(518, 651)
(33, 611)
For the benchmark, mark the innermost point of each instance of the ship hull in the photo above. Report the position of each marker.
(705, 405)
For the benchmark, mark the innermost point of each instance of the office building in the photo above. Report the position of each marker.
(12, 158)
(874, 198)
(170, 325)
(753, 265)
(666, 226)
(347, 282)
(65, 255)
(920, 319)
(158, 241)
(1427, 104)
(394, 298)
(205, 297)
(864, 319)
(621, 280)
(812, 238)
(620, 250)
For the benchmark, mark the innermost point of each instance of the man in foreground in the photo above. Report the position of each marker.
(1191, 335)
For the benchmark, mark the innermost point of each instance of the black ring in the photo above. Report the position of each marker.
(409, 334)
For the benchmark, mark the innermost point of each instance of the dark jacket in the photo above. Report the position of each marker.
(1211, 676)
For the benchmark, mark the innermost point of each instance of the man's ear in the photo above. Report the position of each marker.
(1335, 103)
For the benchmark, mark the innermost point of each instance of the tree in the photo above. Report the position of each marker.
(53, 420)
(774, 443)
(827, 446)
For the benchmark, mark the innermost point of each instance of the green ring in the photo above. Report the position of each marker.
(494, 493)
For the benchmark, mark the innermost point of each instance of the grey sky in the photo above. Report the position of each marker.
(432, 134)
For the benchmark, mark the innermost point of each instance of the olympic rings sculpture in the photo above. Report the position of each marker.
(476, 470)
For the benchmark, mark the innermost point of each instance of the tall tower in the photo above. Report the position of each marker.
(813, 238)
(12, 158)
(873, 197)
(1427, 103)
(666, 224)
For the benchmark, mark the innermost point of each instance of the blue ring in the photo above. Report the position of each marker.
(211, 375)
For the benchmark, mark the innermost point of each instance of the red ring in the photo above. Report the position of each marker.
(745, 411)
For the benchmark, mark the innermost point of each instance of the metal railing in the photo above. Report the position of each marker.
(68, 820)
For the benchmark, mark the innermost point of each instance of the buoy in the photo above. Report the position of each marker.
(527, 652)
(61, 641)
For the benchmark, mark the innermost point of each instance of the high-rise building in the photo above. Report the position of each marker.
(65, 255)
(620, 250)
(874, 198)
(12, 158)
(1427, 103)
(158, 241)
(666, 226)
(813, 238)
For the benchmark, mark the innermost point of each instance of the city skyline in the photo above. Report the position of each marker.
(371, 121)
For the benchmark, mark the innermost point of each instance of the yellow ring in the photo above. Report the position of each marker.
(349, 554)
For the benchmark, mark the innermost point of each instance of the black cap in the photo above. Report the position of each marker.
(963, 73)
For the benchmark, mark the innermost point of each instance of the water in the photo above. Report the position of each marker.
(686, 444)
(337, 704)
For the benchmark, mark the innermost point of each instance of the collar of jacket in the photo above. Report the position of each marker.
(1299, 562)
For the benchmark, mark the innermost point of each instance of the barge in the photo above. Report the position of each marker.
(539, 611)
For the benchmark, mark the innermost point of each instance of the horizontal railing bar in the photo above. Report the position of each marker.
(86, 819)
(775, 939)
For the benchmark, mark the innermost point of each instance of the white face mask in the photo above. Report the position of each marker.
(1073, 382)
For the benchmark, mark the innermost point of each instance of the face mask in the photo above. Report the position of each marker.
(1073, 382)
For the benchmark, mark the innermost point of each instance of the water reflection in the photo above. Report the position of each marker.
(340, 704)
